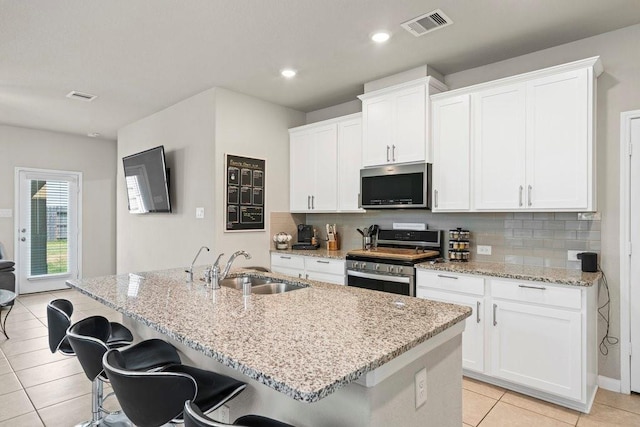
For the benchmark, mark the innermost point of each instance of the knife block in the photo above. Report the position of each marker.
(333, 245)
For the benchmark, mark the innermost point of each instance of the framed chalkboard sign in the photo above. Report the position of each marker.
(245, 193)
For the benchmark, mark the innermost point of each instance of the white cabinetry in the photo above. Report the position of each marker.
(451, 148)
(536, 338)
(324, 174)
(532, 139)
(395, 123)
(309, 267)
(462, 290)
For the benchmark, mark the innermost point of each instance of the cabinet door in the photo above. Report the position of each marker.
(473, 335)
(349, 164)
(324, 277)
(302, 170)
(325, 168)
(537, 347)
(451, 145)
(410, 126)
(558, 141)
(499, 148)
(377, 131)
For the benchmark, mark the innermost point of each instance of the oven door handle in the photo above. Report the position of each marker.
(382, 277)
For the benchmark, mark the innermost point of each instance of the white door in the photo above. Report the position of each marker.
(538, 347)
(558, 141)
(634, 282)
(349, 164)
(302, 170)
(377, 131)
(325, 172)
(473, 335)
(451, 145)
(48, 242)
(499, 148)
(409, 124)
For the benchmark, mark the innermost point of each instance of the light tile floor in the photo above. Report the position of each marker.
(38, 388)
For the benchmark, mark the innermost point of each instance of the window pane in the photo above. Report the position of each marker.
(49, 227)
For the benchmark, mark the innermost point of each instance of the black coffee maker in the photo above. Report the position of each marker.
(305, 235)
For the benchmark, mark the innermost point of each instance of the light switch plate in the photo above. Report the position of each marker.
(421, 387)
(199, 213)
(6, 213)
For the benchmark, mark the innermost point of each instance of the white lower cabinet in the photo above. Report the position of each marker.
(533, 337)
(309, 267)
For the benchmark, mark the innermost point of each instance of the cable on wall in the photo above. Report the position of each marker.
(607, 339)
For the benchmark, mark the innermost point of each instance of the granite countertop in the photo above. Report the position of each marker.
(320, 253)
(306, 343)
(515, 271)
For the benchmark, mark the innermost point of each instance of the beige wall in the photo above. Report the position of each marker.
(618, 91)
(196, 133)
(95, 158)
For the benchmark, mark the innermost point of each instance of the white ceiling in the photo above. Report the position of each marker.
(140, 56)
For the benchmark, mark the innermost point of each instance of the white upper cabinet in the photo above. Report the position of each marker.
(451, 154)
(532, 140)
(499, 147)
(325, 165)
(395, 123)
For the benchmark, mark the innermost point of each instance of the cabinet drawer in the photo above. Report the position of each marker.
(324, 277)
(450, 282)
(537, 293)
(288, 261)
(325, 265)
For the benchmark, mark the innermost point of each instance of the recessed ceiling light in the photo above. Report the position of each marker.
(288, 73)
(93, 134)
(380, 37)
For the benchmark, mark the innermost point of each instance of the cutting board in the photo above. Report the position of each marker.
(394, 253)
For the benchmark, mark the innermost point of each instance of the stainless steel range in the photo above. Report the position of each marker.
(390, 266)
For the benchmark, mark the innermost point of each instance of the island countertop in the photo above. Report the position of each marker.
(306, 343)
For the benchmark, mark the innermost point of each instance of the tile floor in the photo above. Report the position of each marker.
(38, 388)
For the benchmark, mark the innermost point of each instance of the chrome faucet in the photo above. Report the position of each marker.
(190, 270)
(216, 276)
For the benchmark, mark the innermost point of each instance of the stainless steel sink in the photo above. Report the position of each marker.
(259, 285)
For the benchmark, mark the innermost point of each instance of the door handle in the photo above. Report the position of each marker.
(313, 202)
(388, 148)
(308, 202)
(393, 153)
(435, 194)
(529, 195)
(24, 230)
(23, 239)
(477, 311)
(495, 320)
(520, 197)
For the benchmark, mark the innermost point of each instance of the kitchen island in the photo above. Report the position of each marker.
(323, 355)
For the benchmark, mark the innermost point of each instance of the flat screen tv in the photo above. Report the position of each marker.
(147, 179)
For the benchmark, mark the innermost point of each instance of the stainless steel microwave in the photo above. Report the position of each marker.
(397, 186)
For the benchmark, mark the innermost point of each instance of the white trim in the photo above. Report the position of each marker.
(610, 384)
(625, 236)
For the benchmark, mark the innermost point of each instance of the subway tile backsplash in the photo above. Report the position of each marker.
(539, 239)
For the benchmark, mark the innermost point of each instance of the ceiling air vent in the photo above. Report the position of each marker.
(87, 97)
(426, 23)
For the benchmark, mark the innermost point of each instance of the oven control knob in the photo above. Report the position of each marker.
(363, 265)
(377, 267)
(391, 269)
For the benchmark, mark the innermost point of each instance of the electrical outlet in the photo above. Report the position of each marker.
(421, 387)
(484, 250)
(199, 213)
(573, 255)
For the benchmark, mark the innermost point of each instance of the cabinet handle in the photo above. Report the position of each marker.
(285, 257)
(444, 276)
(477, 311)
(520, 197)
(529, 195)
(435, 194)
(388, 148)
(323, 262)
(495, 320)
(313, 202)
(300, 275)
(542, 288)
(393, 153)
(306, 276)
(308, 202)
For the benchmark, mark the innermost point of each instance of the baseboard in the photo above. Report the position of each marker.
(610, 384)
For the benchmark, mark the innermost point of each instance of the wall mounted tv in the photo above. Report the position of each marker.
(147, 179)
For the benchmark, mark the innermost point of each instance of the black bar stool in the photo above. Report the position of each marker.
(152, 399)
(59, 313)
(193, 417)
(88, 339)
